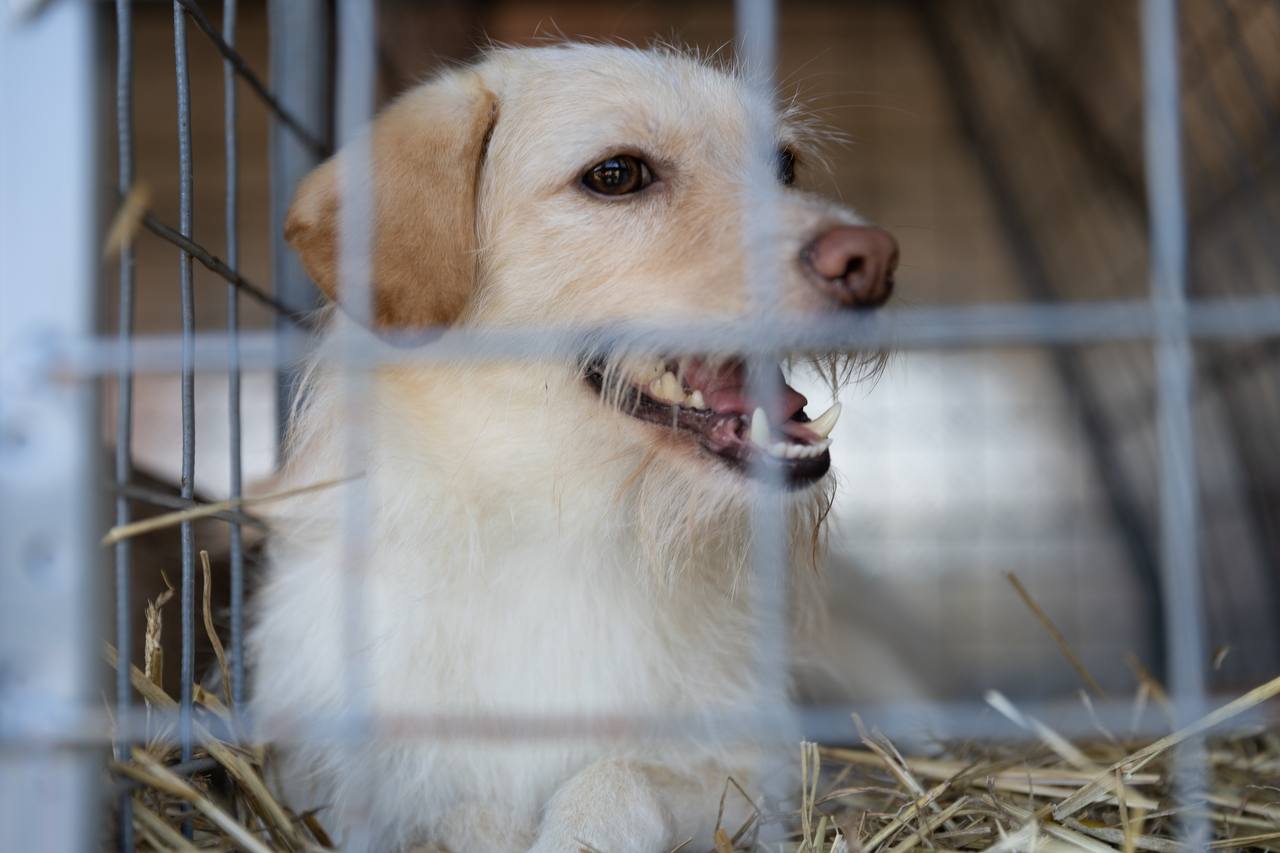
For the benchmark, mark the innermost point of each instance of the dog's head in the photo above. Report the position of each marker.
(583, 184)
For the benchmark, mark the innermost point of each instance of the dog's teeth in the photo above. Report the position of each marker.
(807, 451)
(667, 389)
(760, 429)
(695, 400)
(825, 422)
(671, 390)
(779, 450)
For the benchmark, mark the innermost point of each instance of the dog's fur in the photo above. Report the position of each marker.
(530, 550)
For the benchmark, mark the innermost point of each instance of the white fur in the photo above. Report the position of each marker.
(527, 551)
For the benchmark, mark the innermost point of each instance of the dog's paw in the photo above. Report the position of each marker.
(611, 807)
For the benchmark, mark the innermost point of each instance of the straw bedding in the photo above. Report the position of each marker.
(1041, 792)
(1037, 792)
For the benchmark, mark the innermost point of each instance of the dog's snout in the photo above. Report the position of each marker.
(854, 264)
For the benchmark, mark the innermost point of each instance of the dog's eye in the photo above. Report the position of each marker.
(620, 175)
(786, 165)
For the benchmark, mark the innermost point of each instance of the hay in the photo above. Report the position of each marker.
(173, 519)
(1042, 792)
(1103, 795)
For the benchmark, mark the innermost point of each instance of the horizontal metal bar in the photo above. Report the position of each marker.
(910, 722)
(318, 146)
(215, 265)
(905, 329)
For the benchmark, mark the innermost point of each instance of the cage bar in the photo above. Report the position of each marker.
(356, 26)
(300, 37)
(770, 582)
(187, 591)
(50, 723)
(51, 571)
(913, 724)
(234, 426)
(124, 402)
(1215, 319)
(1178, 517)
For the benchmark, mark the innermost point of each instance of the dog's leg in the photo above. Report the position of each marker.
(611, 806)
(476, 826)
(619, 806)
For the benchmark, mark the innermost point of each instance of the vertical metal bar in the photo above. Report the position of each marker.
(51, 570)
(356, 66)
(300, 69)
(770, 562)
(233, 354)
(124, 405)
(183, 83)
(356, 56)
(1178, 511)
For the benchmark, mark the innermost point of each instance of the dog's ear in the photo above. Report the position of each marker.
(426, 153)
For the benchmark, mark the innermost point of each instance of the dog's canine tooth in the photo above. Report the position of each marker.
(760, 429)
(695, 400)
(824, 423)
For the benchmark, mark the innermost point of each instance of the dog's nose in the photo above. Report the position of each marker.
(854, 264)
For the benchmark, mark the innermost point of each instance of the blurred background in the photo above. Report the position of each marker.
(1001, 142)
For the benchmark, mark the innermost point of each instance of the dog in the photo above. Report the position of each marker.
(560, 538)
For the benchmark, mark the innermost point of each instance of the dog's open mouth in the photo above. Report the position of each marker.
(712, 404)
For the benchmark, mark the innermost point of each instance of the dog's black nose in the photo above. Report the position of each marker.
(854, 264)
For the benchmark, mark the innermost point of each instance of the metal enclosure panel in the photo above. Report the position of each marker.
(50, 565)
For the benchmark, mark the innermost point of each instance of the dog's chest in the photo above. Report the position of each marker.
(555, 626)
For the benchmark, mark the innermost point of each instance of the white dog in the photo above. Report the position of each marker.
(565, 539)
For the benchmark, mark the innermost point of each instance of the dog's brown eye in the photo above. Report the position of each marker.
(619, 175)
(786, 166)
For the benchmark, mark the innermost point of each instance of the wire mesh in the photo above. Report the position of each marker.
(234, 443)
(188, 588)
(124, 403)
(1182, 309)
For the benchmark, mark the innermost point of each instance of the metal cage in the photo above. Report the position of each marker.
(1204, 204)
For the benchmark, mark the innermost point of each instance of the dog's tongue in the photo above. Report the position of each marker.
(725, 390)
